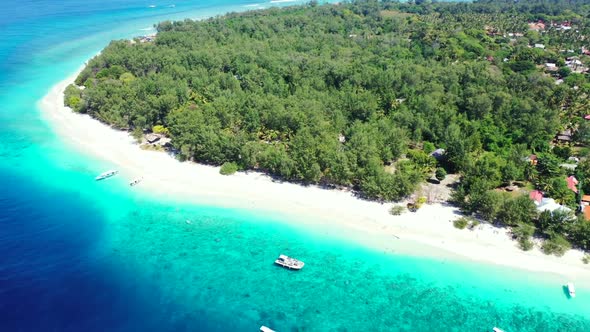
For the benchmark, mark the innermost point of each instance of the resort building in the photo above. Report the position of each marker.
(537, 26)
(545, 203)
(565, 136)
(551, 67)
(549, 204)
(585, 206)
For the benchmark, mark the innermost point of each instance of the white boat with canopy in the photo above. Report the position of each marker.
(290, 263)
(106, 175)
(571, 289)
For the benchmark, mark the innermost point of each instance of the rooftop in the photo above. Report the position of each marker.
(549, 204)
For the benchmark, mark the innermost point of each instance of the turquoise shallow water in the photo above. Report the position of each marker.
(80, 255)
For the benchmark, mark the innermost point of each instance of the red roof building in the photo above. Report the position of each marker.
(572, 182)
(536, 196)
(533, 159)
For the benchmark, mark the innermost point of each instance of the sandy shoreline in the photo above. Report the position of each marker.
(428, 232)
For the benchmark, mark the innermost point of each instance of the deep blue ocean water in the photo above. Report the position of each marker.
(76, 255)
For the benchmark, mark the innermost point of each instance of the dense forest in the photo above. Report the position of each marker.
(360, 94)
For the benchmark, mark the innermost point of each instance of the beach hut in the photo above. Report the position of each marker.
(152, 138)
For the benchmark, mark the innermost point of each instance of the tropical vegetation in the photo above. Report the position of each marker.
(361, 94)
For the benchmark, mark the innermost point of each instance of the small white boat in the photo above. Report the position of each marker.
(496, 329)
(571, 289)
(266, 329)
(135, 181)
(106, 175)
(290, 263)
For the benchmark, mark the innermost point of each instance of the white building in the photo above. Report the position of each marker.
(549, 204)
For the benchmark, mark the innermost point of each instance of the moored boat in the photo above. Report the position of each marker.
(290, 263)
(266, 329)
(571, 289)
(106, 175)
(496, 329)
(135, 181)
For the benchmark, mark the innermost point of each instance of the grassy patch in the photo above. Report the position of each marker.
(397, 210)
(228, 168)
(151, 147)
(461, 223)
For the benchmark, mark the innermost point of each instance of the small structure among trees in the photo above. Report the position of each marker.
(152, 138)
(565, 136)
(438, 154)
(157, 139)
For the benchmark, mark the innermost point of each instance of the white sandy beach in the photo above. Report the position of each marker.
(427, 232)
